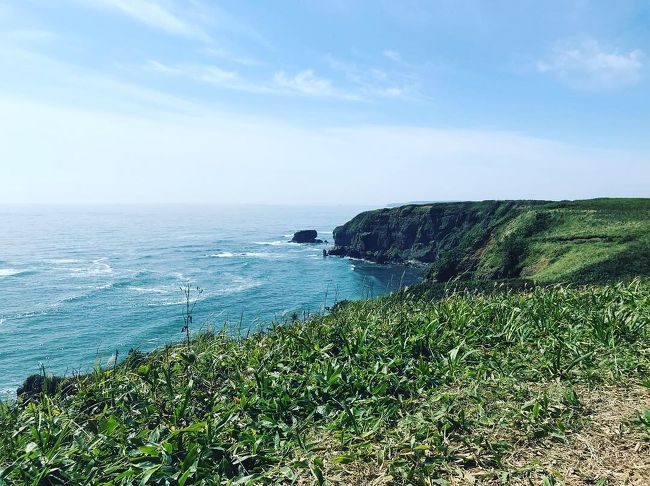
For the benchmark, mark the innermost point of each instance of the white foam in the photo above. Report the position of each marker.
(98, 268)
(261, 254)
(25, 315)
(247, 254)
(239, 285)
(62, 261)
(180, 301)
(152, 290)
(102, 267)
(167, 303)
(8, 272)
(272, 243)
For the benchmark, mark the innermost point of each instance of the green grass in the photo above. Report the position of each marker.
(403, 387)
(593, 241)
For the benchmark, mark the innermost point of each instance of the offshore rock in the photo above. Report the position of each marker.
(305, 236)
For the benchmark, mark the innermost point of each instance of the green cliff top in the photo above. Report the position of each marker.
(568, 241)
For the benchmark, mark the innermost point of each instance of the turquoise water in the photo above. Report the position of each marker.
(76, 284)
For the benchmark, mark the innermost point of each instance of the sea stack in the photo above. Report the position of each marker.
(305, 236)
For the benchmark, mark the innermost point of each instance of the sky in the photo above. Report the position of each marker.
(322, 102)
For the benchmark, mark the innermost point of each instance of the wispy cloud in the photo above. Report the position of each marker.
(588, 65)
(209, 74)
(372, 82)
(227, 23)
(155, 14)
(40, 76)
(392, 55)
(223, 54)
(303, 83)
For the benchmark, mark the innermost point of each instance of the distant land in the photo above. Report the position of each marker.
(409, 203)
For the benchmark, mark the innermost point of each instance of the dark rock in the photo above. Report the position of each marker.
(35, 384)
(305, 236)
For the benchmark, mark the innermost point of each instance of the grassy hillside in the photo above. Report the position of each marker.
(571, 241)
(580, 241)
(504, 388)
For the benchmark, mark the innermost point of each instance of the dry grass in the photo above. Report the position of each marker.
(608, 450)
(609, 447)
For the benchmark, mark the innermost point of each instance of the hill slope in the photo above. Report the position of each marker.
(513, 388)
(569, 241)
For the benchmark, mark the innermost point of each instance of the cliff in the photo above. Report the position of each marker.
(591, 240)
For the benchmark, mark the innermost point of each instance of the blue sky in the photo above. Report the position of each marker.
(321, 102)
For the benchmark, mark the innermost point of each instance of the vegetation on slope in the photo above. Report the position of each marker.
(399, 390)
(595, 240)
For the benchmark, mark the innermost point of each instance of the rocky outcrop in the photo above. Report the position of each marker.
(592, 240)
(449, 237)
(305, 236)
(417, 233)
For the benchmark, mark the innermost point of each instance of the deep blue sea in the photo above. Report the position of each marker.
(77, 284)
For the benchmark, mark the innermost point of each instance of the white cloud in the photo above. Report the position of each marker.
(392, 55)
(156, 14)
(366, 86)
(203, 73)
(187, 18)
(372, 82)
(590, 66)
(26, 71)
(303, 83)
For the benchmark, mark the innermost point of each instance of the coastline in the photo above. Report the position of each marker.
(104, 278)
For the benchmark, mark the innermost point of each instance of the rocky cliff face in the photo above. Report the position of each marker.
(540, 240)
(420, 233)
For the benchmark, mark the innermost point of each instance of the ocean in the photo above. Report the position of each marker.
(78, 284)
